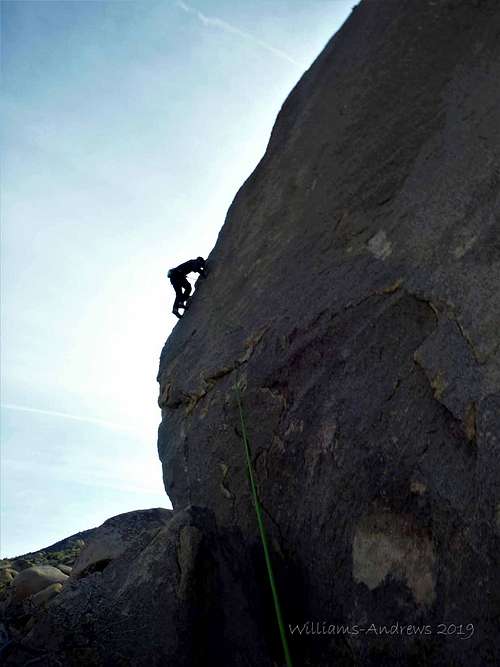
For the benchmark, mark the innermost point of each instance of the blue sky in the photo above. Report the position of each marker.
(127, 128)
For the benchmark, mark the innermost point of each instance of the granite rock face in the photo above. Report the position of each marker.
(354, 291)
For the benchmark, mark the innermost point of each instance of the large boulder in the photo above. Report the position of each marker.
(354, 294)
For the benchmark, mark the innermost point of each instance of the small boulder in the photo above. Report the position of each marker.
(65, 569)
(35, 579)
(7, 574)
(44, 596)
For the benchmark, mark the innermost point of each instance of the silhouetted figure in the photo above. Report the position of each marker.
(181, 284)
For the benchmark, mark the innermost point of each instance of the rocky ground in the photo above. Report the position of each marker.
(30, 584)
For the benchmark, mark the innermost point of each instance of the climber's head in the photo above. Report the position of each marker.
(200, 260)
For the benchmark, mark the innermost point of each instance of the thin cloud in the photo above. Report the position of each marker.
(64, 415)
(107, 479)
(214, 22)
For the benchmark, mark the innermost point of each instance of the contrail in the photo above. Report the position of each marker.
(227, 27)
(64, 415)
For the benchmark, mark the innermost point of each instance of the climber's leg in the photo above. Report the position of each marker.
(179, 296)
(186, 286)
(177, 304)
(182, 288)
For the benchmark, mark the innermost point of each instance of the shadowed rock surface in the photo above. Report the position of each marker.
(354, 293)
(47, 616)
(354, 290)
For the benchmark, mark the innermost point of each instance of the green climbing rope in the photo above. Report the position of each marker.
(263, 535)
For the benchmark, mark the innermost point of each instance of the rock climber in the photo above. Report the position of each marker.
(181, 284)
